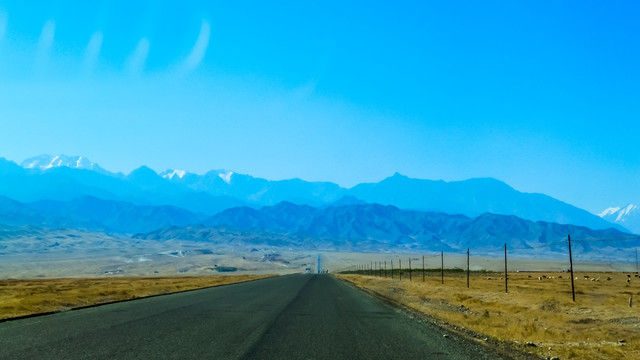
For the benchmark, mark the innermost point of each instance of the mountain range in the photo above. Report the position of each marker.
(351, 227)
(380, 228)
(67, 179)
(93, 214)
(627, 216)
(49, 194)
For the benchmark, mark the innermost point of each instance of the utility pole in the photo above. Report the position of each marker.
(385, 269)
(400, 267)
(410, 269)
(392, 269)
(442, 266)
(573, 292)
(467, 268)
(422, 268)
(506, 289)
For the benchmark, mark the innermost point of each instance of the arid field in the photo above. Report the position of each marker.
(33, 296)
(537, 314)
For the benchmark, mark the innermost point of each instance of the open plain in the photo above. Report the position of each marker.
(23, 297)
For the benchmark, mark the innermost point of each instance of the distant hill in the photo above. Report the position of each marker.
(374, 227)
(93, 214)
(474, 197)
(355, 227)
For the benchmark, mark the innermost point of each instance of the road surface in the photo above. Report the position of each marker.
(289, 317)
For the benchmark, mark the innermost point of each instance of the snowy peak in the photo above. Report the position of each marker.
(620, 213)
(629, 209)
(226, 176)
(609, 211)
(627, 216)
(46, 162)
(171, 173)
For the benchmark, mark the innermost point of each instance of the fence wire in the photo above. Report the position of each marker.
(615, 253)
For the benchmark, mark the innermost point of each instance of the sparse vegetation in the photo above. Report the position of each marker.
(537, 314)
(34, 296)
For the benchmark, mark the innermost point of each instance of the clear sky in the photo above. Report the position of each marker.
(544, 95)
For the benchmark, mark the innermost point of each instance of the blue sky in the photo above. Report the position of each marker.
(542, 95)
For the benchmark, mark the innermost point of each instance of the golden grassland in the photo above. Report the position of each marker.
(536, 315)
(34, 296)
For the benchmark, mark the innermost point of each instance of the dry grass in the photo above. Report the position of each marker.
(35, 296)
(536, 311)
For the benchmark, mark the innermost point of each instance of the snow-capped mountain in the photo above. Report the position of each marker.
(226, 176)
(64, 178)
(179, 175)
(627, 216)
(46, 162)
(170, 173)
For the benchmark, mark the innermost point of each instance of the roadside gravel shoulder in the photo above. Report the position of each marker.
(505, 349)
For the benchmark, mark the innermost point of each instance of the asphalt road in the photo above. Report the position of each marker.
(289, 317)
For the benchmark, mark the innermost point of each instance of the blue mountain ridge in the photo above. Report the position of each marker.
(218, 190)
(353, 227)
(375, 227)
